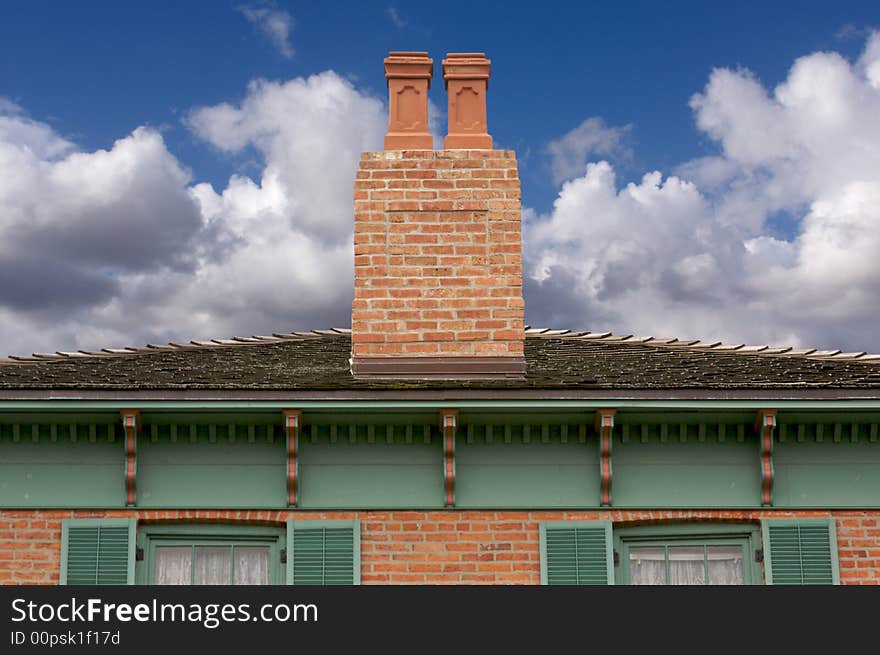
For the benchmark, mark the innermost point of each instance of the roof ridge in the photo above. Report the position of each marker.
(708, 346)
(671, 343)
(171, 346)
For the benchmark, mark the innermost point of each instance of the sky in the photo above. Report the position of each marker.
(184, 170)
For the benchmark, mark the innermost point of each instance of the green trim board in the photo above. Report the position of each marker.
(663, 472)
(510, 460)
(576, 553)
(514, 474)
(355, 473)
(322, 552)
(219, 474)
(826, 473)
(62, 474)
(97, 551)
(799, 552)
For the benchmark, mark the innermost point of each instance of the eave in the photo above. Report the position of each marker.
(407, 400)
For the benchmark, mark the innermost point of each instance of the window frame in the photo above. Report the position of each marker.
(746, 535)
(152, 536)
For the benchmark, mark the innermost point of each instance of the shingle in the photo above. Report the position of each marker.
(319, 360)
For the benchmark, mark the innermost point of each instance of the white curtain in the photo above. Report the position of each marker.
(725, 565)
(213, 565)
(647, 566)
(173, 565)
(251, 565)
(687, 565)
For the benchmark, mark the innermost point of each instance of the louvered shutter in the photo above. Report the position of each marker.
(577, 553)
(97, 551)
(323, 552)
(800, 552)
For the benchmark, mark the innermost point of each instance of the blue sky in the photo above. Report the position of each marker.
(94, 70)
(90, 74)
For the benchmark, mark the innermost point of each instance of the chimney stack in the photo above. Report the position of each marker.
(437, 237)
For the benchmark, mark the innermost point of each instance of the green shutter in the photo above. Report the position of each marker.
(577, 553)
(801, 552)
(323, 552)
(96, 551)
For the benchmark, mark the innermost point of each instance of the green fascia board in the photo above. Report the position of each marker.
(344, 475)
(552, 475)
(66, 524)
(827, 473)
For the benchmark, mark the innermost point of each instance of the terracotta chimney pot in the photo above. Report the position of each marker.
(409, 77)
(467, 77)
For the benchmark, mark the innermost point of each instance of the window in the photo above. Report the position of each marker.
(592, 552)
(693, 554)
(211, 554)
(114, 551)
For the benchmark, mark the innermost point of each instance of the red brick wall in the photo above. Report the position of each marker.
(442, 547)
(438, 255)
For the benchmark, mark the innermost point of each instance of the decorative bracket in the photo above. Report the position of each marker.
(131, 424)
(292, 427)
(765, 425)
(449, 423)
(604, 426)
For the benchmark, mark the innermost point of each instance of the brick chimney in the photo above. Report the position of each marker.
(437, 237)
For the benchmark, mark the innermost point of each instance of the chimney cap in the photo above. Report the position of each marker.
(409, 54)
(466, 66)
(408, 65)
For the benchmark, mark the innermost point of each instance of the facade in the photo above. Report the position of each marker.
(439, 439)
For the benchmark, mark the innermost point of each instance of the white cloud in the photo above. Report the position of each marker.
(696, 257)
(570, 152)
(73, 223)
(276, 24)
(310, 132)
(29, 136)
(123, 240)
(120, 246)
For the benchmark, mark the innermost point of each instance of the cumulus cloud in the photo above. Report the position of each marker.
(275, 24)
(121, 246)
(123, 239)
(693, 254)
(73, 223)
(570, 152)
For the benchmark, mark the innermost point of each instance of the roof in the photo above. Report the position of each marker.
(557, 360)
